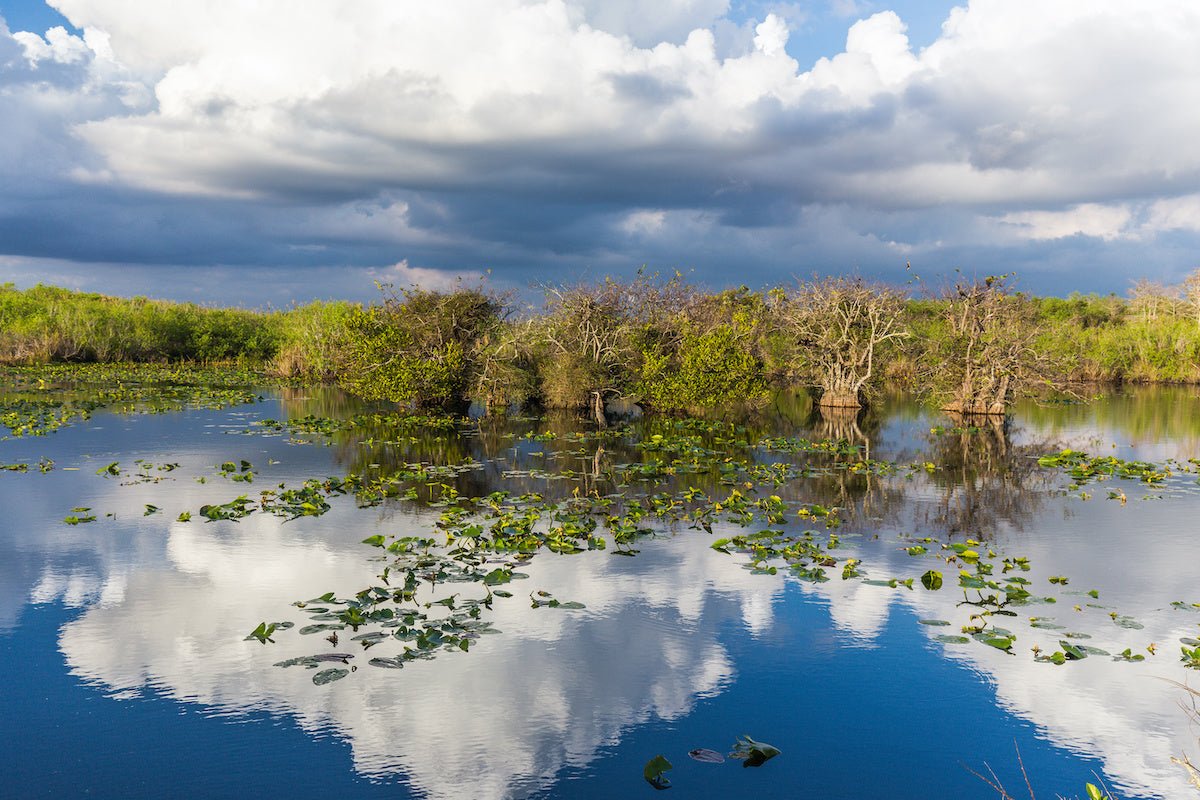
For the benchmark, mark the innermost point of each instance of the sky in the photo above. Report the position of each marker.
(266, 153)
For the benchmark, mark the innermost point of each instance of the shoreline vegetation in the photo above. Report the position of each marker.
(972, 348)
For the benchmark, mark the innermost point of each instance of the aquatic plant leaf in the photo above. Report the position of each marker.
(951, 638)
(1047, 625)
(498, 576)
(752, 753)
(932, 580)
(330, 675)
(1072, 652)
(654, 771)
(706, 756)
(263, 632)
(387, 663)
(306, 661)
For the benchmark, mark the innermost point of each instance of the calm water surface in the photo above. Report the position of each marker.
(127, 673)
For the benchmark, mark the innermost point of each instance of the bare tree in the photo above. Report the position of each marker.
(1191, 293)
(1150, 299)
(843, 326)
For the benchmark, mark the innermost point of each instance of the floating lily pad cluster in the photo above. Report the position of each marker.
(41, 400)
(746, 750)
(436, 588)
(485, 540)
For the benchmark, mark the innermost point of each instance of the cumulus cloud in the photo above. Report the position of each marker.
(1175, 214)
(1087, 219)
(513, 132)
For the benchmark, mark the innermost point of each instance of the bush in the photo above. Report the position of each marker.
(708, 370)
(422, 348)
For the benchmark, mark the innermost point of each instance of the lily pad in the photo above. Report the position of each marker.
(654, 771)
(330, 675)
(706, 756)
(950, 638)
(752, 753)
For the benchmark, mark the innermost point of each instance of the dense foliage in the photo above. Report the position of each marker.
(666, 344)
(421, 348)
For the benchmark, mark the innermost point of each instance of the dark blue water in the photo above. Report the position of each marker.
(127, 675)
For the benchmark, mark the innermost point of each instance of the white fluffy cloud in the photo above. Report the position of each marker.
(1016, 102)
(1087, 219)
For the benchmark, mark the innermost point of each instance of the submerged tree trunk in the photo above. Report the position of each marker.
(841, 422)
(839, 399)
(841, 389)
(977, 406)
(981, 397)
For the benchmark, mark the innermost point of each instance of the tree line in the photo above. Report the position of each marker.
(973, 347)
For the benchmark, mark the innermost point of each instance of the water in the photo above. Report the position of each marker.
(128, 674)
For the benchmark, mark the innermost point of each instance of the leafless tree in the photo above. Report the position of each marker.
(843, 327)
(1191, 294)
(1151, 299)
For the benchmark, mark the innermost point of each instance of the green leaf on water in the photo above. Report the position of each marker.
(950, 638)
(999, 642)
(654, 771)
(330, 675)
(263, 632)
(752, 753)
(497, 576)
(1072, 652)
(387, 663)
(375, 541)
(932, 580)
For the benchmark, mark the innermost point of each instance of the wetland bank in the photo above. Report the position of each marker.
(220, 581)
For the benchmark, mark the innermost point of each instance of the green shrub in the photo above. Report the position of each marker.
(709, 370)
(421, 348)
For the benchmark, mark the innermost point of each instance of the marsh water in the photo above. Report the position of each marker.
(128, 672)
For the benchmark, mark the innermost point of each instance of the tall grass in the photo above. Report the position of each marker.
(48, 324)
